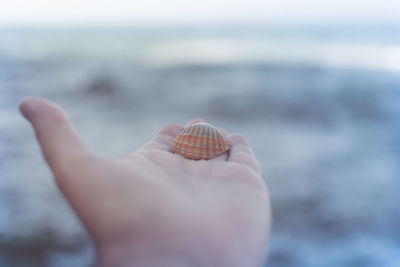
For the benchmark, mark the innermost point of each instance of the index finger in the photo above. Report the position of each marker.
(164, 138)
(241, 152)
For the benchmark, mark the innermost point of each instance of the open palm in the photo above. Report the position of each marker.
(154, 207)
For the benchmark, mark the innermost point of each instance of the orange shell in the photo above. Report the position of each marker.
(200, 141)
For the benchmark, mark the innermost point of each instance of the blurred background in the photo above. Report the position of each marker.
(314, 86)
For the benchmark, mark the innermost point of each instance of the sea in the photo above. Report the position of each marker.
(319, 104)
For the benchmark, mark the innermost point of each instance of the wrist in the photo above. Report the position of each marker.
(207, 245)
(145, 253)
(158, 253)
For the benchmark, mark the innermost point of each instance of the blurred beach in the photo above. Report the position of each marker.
(319, 105)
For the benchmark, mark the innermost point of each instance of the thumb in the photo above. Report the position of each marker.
(69, 160)
(59, 142)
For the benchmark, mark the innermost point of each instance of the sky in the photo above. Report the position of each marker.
(28, 12)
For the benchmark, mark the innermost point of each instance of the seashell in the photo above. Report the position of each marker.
(200, 141)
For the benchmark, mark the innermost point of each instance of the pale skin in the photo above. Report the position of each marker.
(153, 207)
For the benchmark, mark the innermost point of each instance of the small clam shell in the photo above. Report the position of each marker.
(199, 141)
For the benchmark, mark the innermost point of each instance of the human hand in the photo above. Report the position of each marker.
(156, 208)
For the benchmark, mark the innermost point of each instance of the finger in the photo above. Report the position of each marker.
(222, 157)
(223, 132)
(241, 152)
(57, 139)
(163, 140)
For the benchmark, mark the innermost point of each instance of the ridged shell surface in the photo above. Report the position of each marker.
(200, 141)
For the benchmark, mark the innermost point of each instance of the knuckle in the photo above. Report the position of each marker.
(171, 130)
(238, 139)
(246, 159)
